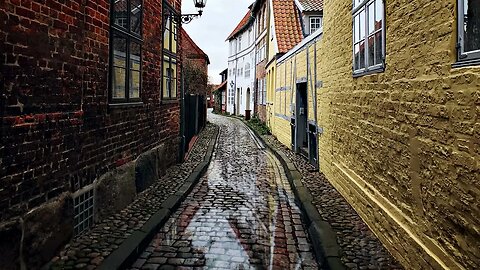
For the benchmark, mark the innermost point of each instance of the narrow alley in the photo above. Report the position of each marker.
(241, 215)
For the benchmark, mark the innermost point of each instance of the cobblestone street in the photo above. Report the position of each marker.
(241, 215)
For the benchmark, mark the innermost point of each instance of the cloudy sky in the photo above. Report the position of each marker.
(210, 31)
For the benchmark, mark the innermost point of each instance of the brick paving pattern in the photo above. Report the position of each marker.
(241, 215)
(361, 249)
(89, 250)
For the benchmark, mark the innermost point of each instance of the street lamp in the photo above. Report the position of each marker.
(187, 18)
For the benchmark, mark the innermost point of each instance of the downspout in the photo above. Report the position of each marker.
(182, 116)
(315, 102)
(235, 81)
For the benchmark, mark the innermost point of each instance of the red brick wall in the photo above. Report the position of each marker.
(192, 53)
(57, 126)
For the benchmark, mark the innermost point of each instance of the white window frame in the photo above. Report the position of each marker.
(247, 70)
(313, 20)
(358, 7)
(464, 57)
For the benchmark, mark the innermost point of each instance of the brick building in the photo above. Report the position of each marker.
(89, 115)
(393, 89)
(195, 56)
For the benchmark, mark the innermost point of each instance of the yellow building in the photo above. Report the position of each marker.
(394, 89)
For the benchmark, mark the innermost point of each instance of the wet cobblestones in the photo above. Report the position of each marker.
(361, 249)
(241, 215)
(90, 249)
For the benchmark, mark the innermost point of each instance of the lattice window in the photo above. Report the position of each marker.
(84, 209)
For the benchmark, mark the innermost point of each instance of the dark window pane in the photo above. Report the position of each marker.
(135, 84)
(362, 54)
(119, 51)
(118, 87)
(356, 56)
(135, 52)
(371, 51)
(136, 16)
(378, 48)
(472, 25)
(135, 65)
(119, 66)
(120, 15)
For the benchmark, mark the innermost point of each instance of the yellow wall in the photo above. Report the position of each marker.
(403, 145)
(289, 72)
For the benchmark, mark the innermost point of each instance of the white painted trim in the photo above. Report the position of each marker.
(312, 37)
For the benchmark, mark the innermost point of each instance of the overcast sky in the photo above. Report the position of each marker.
(210, 31)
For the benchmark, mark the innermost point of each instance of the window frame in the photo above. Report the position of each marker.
(174, 27)
(356, 9)
(130, 38)
(464, 58)
(310, 19)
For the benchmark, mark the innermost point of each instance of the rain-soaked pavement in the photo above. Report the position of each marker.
(241, 214)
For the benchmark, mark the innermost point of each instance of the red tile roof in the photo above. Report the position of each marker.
(222, 85)
(241, 25)
(287, 24)
(311, 5)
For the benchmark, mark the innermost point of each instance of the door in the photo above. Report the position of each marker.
(248, 100)
(301, 121)
(237, 104)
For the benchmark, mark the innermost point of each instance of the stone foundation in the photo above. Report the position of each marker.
(44, 230)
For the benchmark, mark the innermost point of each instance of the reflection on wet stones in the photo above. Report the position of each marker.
(241, 215)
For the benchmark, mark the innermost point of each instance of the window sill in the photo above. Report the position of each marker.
(169, 101)
(125, 105)
(368, 72)
(466, 63)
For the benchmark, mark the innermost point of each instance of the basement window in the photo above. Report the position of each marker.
(368, 36)
(468, 34)
(84, 209)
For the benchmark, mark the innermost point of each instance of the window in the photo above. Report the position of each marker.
(469, 31)
(126, 51)
(261, 91)
(315, 23)
(84, 209)
(247, 70)
(170, 32)
(368, 36)
(239, 43)
(264, 18)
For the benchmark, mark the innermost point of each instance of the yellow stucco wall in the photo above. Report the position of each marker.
(403, 145)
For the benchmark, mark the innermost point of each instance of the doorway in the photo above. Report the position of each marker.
(247, 105)
(301, 121)
(237, 105)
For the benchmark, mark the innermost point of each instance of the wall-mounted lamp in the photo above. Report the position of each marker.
(187, 18)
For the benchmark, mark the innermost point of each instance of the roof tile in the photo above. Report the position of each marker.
(312, 5)
(287, 24)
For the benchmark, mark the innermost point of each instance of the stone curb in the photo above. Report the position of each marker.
(324, 239)
(134, 245)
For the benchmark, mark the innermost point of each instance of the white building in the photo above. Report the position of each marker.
(241, 67)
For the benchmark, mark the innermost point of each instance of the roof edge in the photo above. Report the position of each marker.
(300, 45)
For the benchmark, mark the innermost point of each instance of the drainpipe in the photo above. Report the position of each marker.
(315, 102)
(182, 116)
(235, 81)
